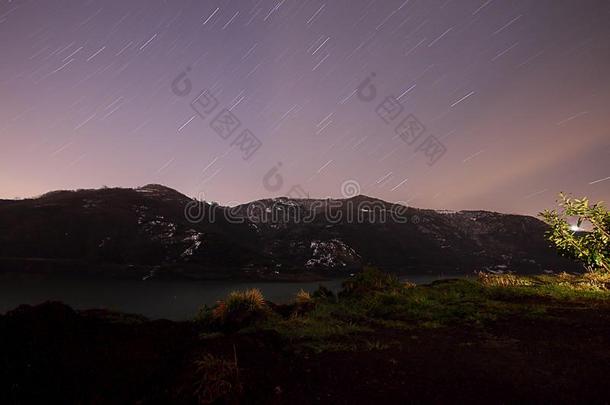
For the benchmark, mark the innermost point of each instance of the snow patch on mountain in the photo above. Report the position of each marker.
(196, 239)
(331, 254)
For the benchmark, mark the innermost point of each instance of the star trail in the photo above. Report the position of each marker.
(469, 104)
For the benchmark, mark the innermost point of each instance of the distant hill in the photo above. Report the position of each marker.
(157, 231)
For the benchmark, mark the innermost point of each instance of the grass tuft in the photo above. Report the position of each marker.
(240, 309)
(303, 298)
(502, 280)
(217, 380)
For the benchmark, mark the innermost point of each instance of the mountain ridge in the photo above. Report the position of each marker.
(152, 186)
(156, 230)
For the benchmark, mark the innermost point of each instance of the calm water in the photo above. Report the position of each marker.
(176, 300)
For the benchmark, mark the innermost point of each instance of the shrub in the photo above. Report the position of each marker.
(591, 248)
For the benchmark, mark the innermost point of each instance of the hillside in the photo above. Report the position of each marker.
(155, 231)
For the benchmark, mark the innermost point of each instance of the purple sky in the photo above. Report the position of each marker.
(517, 94)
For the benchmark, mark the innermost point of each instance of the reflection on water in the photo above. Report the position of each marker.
(176, 300)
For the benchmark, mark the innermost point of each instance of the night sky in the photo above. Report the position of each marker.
(471, 104)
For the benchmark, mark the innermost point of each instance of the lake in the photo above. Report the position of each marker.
(155, 299)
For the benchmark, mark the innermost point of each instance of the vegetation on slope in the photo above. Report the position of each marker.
(373, 300)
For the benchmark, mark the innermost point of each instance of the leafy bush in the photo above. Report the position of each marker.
(591, 248)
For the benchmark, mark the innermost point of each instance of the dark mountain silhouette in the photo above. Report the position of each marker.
(157, 231)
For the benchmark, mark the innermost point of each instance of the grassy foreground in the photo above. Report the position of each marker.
(374, 300)
(374, 312)
(491, 339)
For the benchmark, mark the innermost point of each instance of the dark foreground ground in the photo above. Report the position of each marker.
(540, 349)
